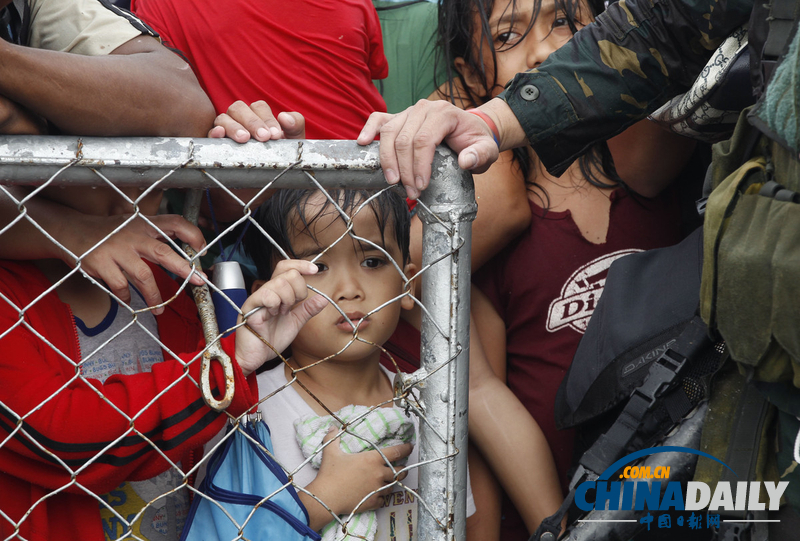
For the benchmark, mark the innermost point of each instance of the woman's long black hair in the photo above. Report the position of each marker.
(457, 23)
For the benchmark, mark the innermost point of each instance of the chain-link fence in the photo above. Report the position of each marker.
(103, 411)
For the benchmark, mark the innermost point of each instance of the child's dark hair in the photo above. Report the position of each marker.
(284, 215)
(457, 24)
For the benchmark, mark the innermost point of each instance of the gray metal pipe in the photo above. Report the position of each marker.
(682, 465)
(141, 161)
(449, 210)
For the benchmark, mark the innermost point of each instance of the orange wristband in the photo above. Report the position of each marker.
(489, 122)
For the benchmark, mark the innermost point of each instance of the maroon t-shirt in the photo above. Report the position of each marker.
(401, 351)
(545, 285)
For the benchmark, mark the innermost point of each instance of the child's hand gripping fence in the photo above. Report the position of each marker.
(53, 464)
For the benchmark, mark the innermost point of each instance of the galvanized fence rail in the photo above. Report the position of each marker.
(439, 387)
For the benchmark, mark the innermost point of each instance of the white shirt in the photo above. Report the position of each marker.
(398, 513)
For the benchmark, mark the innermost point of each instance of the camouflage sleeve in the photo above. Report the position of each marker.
(636, 56)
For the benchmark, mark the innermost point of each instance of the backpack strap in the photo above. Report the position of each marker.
(609, 447)
(751, 413)
(663, 373)
(742, 457)
(770, 28)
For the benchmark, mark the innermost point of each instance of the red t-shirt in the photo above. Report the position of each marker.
(545, 286)
(317, 57)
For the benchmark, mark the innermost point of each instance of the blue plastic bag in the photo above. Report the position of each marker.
(240, 475)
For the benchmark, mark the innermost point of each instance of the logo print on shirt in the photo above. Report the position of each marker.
(580, 294)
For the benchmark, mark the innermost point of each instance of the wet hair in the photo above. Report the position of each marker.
(285, 215)
(458, 37)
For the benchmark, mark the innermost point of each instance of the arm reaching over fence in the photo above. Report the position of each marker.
(112, 254)
(409, 139)
(88, 70)
(126, 428)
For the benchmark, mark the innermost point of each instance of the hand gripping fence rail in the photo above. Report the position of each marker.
(436, 393)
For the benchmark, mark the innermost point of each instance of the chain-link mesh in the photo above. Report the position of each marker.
(76, 421)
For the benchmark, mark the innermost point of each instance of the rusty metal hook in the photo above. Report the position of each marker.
(205, 307)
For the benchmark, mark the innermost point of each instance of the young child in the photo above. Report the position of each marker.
(107, 390)
(334, 367)
(541, 289)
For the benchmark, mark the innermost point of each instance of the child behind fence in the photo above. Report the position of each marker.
(108, 390)
(334, 370)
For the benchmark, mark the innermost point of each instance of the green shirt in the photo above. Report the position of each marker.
(409, 42)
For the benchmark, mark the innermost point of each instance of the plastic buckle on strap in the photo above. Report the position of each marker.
(662, 373)
(582, 474)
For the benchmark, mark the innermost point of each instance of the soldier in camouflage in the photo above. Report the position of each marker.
(636, 56)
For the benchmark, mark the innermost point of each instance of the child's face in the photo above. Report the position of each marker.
(515, 50)
(358, 277)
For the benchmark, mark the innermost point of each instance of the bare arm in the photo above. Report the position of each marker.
(141, 88)
(648, 158)
(484, 524)
(118, 259)
(503, 429)
(503, 209)
(409, 139)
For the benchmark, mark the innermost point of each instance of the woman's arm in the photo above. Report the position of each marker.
(503, 210)
(502, 428)
(648, 157)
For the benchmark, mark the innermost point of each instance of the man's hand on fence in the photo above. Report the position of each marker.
(344, 479)
(409, 139)
(119, 258)
(286, 307)
(241, 122)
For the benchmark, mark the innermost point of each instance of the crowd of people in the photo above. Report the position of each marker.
(544, 100)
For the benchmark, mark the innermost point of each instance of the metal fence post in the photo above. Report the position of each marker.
(447, 235)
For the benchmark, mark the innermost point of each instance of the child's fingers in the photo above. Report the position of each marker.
(397, 452)
(225, 126)
(251, 118)
(332, 433)
(259, 117)
(332, 450)
(280, 294)
(217, 132)
(300, 265)
(310, 308)
(291, 287)
(294, 272)
(293, 125)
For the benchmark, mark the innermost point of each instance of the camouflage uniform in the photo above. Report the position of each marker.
(636, 56)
